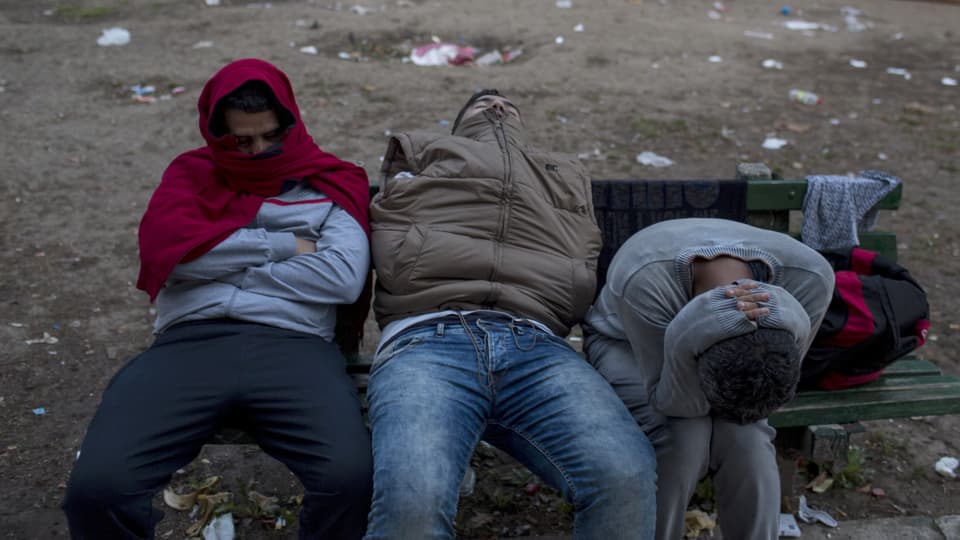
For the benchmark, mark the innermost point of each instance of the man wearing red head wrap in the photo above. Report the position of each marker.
(248, 247)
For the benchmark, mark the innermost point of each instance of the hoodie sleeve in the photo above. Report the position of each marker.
(334, 274)
(244, 248)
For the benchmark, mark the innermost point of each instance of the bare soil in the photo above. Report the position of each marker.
(81, 159)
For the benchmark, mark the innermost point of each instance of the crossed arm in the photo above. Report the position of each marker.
(328, 270)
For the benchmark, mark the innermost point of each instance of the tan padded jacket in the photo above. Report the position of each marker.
(487, 222)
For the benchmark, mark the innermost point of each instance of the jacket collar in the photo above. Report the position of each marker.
(483, 128)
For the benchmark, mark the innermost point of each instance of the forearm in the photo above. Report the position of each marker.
(243, 249)
(334, 274)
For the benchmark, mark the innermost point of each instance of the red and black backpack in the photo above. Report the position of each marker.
(878, 314)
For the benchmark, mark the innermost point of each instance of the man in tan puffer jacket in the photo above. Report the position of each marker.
(485, 250)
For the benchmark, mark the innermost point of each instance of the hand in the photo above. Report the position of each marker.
(748, 301)
(305, 246)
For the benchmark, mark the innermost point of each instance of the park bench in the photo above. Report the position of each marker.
(909, 387)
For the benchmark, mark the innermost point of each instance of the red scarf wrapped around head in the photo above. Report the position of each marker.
(207, 193)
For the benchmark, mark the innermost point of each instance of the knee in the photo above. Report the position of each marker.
(747, 442)
(349, 476)
(414, 495)
(94, 486)
(630, 476)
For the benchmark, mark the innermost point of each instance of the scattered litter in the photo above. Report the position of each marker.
(759, 35)
(444, 123)
(696, 522)
(203, 45)
(143, 90)
(881, 156)
(40, 411)
(859, 64)
(809, 515)
(220, 528)
(720, 6)
(441, 54)
(266, 504)
(804, 96)
(593, 154)
(897, 37)
(653, 160)
(714, 15)
(176, 90)
(795, 127)
(715, 59)
(558, 40)
(47, 339)
(564, 4)
(280, 523)
(802, 25)
(948, 81)
(343, 55)
(770, 63)
(114, 36)
(468, 483)
(878, 492)
(578, 28)
(773, 143)
(899, 71)
(496, 57)
(821, 483)
(947, 466)
(361, 10)
(785, 10)
(788, 526)
(851, 17)
(309, 49)
(213, 2)
(16, 324)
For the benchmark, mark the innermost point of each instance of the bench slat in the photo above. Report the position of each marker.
(912, 365)
(789, 194)
(890, 397)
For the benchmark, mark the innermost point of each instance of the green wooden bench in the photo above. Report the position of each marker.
(910, 387)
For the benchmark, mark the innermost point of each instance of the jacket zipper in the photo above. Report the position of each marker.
(505, 208)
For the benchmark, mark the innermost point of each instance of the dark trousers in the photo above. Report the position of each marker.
(289, 390)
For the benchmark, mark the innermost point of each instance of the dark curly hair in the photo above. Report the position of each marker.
(746, 378)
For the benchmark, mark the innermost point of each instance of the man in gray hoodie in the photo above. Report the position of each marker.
(700, 328)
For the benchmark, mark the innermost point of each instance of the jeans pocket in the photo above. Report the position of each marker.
(392, 349)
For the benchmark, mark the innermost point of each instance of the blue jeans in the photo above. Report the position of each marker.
(436, 390)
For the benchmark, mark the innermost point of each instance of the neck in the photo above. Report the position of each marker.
(722, 270)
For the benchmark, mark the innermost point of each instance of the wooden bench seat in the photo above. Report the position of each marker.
(910, 387)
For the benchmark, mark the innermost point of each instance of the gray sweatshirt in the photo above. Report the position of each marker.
(649, 284)
(256, 275)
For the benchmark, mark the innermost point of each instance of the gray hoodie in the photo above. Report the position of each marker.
(648, 300)
(256, 275)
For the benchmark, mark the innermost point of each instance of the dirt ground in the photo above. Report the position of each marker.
(81, 158)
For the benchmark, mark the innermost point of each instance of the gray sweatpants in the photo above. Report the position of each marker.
(741, 458)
